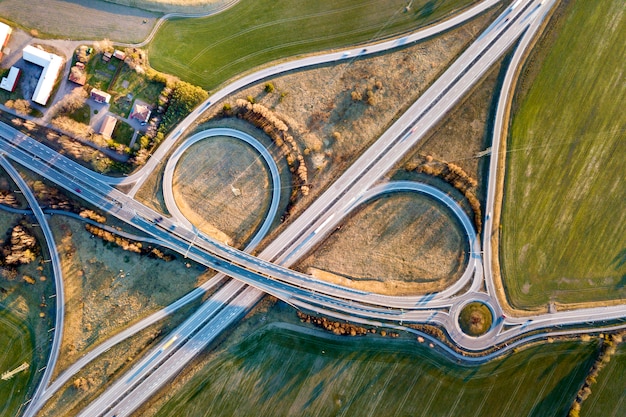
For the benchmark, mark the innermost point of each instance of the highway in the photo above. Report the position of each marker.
(55, 262)
(347, 192)
(299, 287)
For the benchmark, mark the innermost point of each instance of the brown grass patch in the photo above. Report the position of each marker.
(400, 244)
(87, 19)
(107, 289)
(222, 186)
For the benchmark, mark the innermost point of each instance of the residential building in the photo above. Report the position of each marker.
(51, 65)
(10, 81)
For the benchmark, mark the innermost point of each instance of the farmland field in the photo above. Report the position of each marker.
(608, 397)
(210, 50)
(84, 19)
(16, 347)
(279, 371)
(564, 223)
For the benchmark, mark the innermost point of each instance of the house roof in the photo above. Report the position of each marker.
(119, 54)
(5, 32)
(107, 127)
(140, 112)
(77, 75)
(100, 96)
(8, 82)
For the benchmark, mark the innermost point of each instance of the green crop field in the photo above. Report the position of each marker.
(15, 348)
(281, 372)
(210, 50)
(608, 395)
(564, 222)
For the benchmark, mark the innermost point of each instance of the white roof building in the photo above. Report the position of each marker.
(51, 64)
(5, 32)
(8, 82)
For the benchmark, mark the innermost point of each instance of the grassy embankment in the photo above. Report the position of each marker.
(279, 372)
(210, 50)
(564, 226)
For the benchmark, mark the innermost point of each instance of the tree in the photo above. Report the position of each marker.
(183, 99)
(269, 88)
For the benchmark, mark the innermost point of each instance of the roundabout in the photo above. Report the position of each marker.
(173, 161)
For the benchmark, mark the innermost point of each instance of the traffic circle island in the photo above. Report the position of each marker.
(475, 319)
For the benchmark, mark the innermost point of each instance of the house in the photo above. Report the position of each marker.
(100, 96)
(107, 127)
(10, 81)
(5, 34)
(77, 74)
(140, 112)
(106, 57)
(119, 55)
(51, 65)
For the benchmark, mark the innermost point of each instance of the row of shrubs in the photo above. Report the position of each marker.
(455, 176)
(275, 128)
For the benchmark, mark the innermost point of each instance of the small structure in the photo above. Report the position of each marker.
(140, 112)
(9, 374)
(119, 55)
(5, 34)
(77, 74)
(107, 127)
(51, 65)
(106, 57)
(100, 96)
(10, 81)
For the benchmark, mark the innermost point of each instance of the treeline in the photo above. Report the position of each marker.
(276, 129)
(127, 244)
(182, 100)
(607, 350)
(455, 176)
(341, 328)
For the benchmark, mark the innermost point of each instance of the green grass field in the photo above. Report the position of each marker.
(564, 223)
(280, 372)
(15, 348)
(210, 50)
(608, 395)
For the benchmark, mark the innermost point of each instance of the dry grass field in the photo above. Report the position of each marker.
(397, 245)
(84, 19)
(176, 6)
(223, 187)
(106, 288)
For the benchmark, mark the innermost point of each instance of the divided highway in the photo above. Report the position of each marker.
(268, 272)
